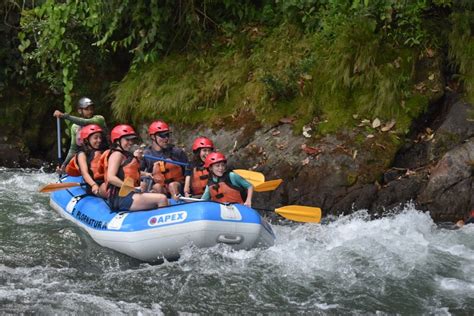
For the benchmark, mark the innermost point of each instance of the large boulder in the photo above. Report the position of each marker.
(449, 193)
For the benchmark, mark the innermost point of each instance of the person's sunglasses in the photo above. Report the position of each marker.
(164, 135)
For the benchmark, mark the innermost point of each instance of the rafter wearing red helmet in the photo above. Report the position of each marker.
(85, 108)
(87, 163)
(195, 183)
(225, 186)
(120, 163)
(168, 178)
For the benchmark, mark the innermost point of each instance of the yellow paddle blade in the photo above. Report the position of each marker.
(251, 176)
(127, 187)
(268, 185)
(58, 186)
(300, 213)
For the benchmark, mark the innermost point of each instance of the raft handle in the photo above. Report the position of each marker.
(230, 239)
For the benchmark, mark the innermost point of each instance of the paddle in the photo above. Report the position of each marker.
(268, 185)
(166, 160)
(253, 177)
(297, 213)
(58, 186)
(127, 187)
(58, 134)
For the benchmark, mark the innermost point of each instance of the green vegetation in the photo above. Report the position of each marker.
(320, 61)
(461, 41)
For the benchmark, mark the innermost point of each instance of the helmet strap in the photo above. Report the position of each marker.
(153, 137)
(119, 144)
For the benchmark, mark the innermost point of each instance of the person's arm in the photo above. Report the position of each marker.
(73, 147)
(82, 161)
(145, 164)
(182, 157)
(187, 186)
(115, 160)
(206, 195)
(96, 119)
(237, 180)
(248, 201)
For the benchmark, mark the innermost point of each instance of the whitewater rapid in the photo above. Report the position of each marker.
(402, 263)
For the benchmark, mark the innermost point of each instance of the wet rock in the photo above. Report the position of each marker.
(455, 129)
(357, 198)
(400, 191)
(10, 155)
(443, 127)
(449, 192)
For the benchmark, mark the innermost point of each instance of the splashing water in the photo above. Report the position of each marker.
(402, 263)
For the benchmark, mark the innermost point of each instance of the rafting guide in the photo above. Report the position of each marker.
(85, 108)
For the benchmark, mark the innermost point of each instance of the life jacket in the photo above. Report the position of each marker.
(225, 192)
(72, 167)
(165, 173)
(129, 167)
(104, 163)
(93, 165)
(199, 180)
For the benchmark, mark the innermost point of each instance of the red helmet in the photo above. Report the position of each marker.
(88, 130)
(158, 127)
(120, 131)
(213, 158)
(202, 142)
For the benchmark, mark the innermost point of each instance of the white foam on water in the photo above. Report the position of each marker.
(460, 287)
(24, 184)
(393, 245)
(50, 290)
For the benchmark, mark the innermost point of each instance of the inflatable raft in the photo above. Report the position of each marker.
(161, 233)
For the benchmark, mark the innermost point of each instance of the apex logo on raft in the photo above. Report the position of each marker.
(89, 221)
(170, 218)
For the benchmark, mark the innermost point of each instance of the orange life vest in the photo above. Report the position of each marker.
(104, 163)
(165, 173)
(93, 165)
(72, 167)
(225, 192)
(129, 167)
(199, 180)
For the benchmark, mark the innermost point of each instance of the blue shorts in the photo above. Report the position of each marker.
(119, 203)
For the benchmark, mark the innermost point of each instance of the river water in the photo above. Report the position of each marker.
(402, 263)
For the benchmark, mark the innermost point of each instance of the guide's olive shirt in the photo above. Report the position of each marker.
(79, 122)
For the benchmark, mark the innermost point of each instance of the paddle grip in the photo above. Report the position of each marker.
(58, 134)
